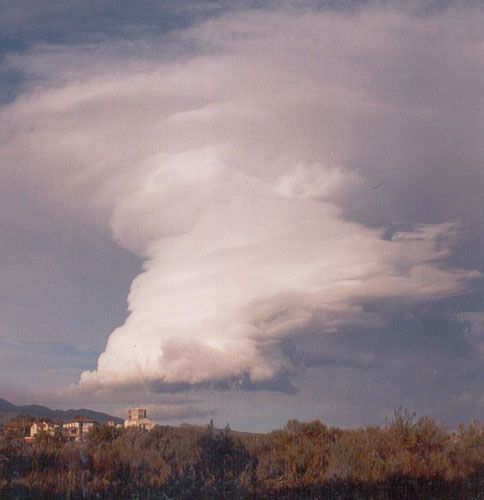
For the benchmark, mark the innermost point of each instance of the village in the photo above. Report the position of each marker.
(77, 429)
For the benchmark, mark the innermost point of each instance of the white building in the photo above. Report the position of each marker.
(43, 426)
(137, 418)
(77, 429)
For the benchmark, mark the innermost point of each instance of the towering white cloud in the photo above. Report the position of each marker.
(224, 169)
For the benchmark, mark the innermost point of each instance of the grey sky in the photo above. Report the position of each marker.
(394, 98)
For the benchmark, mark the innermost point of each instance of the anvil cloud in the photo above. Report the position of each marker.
(226, 156)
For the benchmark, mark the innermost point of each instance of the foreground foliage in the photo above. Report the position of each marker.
(407, 458)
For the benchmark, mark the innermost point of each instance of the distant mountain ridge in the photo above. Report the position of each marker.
(9, 410)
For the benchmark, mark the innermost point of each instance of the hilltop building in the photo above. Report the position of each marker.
(137, 418)
(77, 429)
(19, 426)
(43, 426)
(112, 423)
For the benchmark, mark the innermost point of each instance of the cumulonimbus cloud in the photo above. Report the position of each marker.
(223, 168)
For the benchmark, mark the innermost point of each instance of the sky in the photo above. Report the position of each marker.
(245, 211)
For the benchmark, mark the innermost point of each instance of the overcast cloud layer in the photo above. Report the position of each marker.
(284, 175)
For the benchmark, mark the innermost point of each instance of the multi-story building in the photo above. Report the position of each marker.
(19, 426)
(137, 418)
(78, 428)
(136, 414)
(43, 426)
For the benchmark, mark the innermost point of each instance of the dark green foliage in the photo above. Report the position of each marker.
(406, 458)
(222, 458)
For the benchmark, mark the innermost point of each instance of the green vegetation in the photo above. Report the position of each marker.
(407, 458)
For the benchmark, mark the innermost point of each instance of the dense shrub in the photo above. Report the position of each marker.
(407, 458)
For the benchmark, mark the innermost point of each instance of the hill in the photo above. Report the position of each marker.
(9, 410)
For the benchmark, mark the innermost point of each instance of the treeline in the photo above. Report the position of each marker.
(407, 458)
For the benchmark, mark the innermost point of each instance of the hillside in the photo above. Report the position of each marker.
(9, 410)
